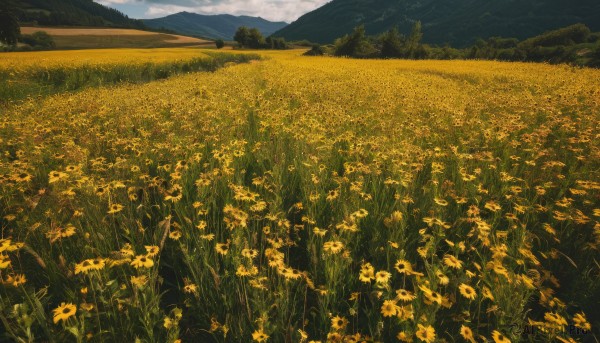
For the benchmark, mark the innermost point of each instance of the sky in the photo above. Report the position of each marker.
(274, 10)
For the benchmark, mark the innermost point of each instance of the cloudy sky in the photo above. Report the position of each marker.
(275, 10)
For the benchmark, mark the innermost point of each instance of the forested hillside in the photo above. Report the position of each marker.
(457, 22)
(72, 13)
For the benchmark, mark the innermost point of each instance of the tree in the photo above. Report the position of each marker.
(391, 44)
(354, 45)
(276, 43)
(9, 25)
(414, 40)
(255, 39)
(219, 43)
(242, 36)
(250, 38)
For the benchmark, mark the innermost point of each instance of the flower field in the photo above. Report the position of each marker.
(299, 199)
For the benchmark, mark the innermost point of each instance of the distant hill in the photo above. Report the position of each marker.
(458, 22)
(72, 13)
(221, 26)
(101, 38)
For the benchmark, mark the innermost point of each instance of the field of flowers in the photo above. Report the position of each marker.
(23, 74)
(298, 199)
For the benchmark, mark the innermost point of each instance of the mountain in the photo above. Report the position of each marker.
(71, 13)
(221, 26)
(458, 22)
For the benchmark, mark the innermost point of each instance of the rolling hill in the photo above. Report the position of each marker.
(102, 38)
(458, 22)
(221, 26)
(72, 13)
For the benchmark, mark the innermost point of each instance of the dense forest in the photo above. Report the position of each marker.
(456, 22)
(72, 13)
(575, 44)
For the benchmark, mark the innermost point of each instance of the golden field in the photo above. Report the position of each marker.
(299, 199)
(25, 61)
(96, 38)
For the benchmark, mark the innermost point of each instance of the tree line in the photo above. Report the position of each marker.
(252, 38)
(574, 44)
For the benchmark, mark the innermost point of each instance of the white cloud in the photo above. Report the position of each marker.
(113, 2)
(274, 10)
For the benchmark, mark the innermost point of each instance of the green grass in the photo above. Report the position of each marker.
(43, 81)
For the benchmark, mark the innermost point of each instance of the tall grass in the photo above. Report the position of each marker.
(42, 80)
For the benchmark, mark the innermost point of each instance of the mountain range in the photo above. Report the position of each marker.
(222, 26)
(457, 22)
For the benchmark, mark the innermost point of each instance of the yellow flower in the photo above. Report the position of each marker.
(190, 288)
(151, 250)
(175, 235)
(16, 280)
(367, 273)
(64, 312)
(87, 307)
(169, 323)
(452, 262)
(222, 248)
(55, 176)
(249, 253)
(555, 319)
(208, 237)
(404, 337)
(443, 279)
(404, 295)
(59, 233)
(142, 261)
(467, 291)
(4, 261)
(114, 208)
(338, 323)
(425, 333)
(499, 338)
(260, 336)
(22, 177)
(333, 247)
(389, 308)
(403, 267)
(467, 333)
(84, 266)
(431, 296)
(581, 322)
(97, 263)
(487, 293)
(440, 201)
(492, 206)
(319, 232)
(139, 281)
(332, 195)
(382, 277)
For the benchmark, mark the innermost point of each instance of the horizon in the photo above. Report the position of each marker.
(272, 10)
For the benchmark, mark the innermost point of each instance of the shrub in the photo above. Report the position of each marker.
(39, 40)
(355, 45)
(316, 50)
